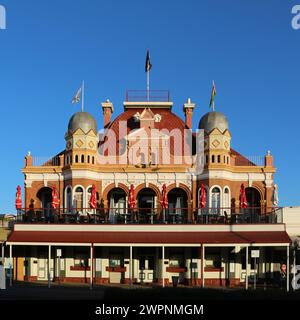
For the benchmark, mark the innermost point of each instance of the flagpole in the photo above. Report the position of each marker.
(213, 106)
(82, 100)
(148, 85)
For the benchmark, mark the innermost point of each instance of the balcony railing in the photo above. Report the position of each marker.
(151, 216)
(144, 95)
(46, 161)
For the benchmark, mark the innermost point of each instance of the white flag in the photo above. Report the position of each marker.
(76, 98)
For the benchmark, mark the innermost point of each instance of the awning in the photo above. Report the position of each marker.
(149, 238)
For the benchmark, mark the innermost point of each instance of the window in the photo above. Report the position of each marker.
(80, 258)
(82, 158)
(69, 199)
(78, 197)
(215, 200)
(219, 159)
(93, 160)
(88, 159)
(115, 262)
(76, 158)
(213, 159)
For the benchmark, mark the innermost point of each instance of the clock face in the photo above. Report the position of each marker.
(69, 144)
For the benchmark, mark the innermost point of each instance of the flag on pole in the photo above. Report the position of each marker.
(212, 98)
(148, 65)
(77, 97)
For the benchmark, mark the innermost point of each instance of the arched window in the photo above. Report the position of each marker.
(224, 159)
(216, 200)
(76, 158)
(227, 160)
(88, 159)
(213, 159)
(93, 160)
(82, 158)
(78, 198)
(68, 199)
(219, 159)
(226, 203)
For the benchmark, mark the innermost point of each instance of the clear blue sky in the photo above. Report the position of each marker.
(248, 47)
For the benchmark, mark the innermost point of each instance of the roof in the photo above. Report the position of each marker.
(150, 238)
(168, 121)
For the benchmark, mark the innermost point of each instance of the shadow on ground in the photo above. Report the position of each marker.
(40, 291)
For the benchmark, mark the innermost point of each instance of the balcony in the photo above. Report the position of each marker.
(151, 95)
(206, 216)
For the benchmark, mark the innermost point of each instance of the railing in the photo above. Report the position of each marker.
(250, 161)
(144, 95)
(45, 161)
(151, 216)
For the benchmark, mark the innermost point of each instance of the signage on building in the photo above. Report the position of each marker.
(254, 253)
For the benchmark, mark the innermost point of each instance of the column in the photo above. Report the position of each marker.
(202, 265)
(10, 265)
(247, 253)
(2, 253)
(49, 261)
(91, 266)
(163, 266)
(287, 268)
(130, 266)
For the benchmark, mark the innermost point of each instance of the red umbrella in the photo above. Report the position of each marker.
(164, 202)
(93, 199)
(131, 199)
(55, 200)
(243, 198)
(202, 202)
(18, 198)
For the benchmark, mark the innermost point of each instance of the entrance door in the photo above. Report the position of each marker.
(146, 269)
(115, 276)
(146, 202)
(42, 268)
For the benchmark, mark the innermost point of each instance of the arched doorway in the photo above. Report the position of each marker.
(215, 200)
(78, 199)
(45, 197)
(178, 206)
(117, 205)
(253, 200)
(146, 200)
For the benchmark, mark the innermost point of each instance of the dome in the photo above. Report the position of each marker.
(84, 121)
(213, 120)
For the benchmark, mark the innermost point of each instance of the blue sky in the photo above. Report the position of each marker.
(248, 47)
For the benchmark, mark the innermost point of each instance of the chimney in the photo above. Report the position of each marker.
(108, 109)
(188, 109)
(268, 160)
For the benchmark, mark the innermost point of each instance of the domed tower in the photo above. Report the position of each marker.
(81, 140)
(217, 138)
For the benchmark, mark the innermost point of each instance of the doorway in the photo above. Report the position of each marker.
(147, 204)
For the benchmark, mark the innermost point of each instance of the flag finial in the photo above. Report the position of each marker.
(212, 97)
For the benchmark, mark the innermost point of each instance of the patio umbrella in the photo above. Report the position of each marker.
(243, 198)
(18, 198)
(202, 202)
(131, 198)
(275, 196)
(164, 202)
(93, 199)
(55, 200)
